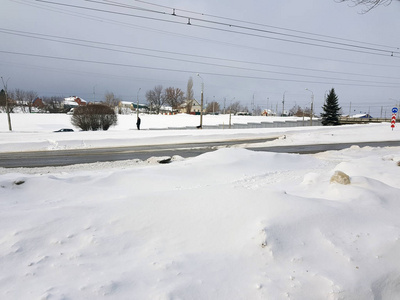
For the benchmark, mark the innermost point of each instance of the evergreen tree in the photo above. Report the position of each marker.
(331, 108)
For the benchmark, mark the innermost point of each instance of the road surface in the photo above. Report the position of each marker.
(80, 156)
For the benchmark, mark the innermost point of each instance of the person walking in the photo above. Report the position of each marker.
(138, 123)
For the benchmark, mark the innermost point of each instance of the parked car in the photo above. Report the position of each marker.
(64, 130)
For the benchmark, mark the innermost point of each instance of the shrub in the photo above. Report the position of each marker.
(94, 117)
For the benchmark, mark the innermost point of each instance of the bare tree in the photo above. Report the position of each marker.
(300, 112)
(111, 100)
(370, 4)
(213, 107)
(2, 100)
(30, 97)
(155, 98)
(235, 107)
(20, 98)
(54, 104)
(189, 95)
(296, 111)
(10, 101)
(257, 111)
(174, 97)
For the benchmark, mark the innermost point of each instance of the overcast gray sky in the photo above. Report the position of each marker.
(261, 50)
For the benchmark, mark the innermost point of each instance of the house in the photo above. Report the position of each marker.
(166, 110)
(126, 107)
(195, 107)
(142, 107)
(268, 112)
(38, 103)
(362, 116)
(73, 101)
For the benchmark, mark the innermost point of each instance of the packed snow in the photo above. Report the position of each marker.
(228, 224)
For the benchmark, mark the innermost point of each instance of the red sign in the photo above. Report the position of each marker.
(393, 121)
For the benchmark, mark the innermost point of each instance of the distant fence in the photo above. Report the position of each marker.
(275, 124)
(346, 120)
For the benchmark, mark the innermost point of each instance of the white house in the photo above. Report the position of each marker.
(195, 107)
(73, 101)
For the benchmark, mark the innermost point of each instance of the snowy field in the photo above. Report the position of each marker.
(229, 224)
(35, 132)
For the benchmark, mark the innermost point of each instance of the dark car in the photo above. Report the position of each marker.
(64, 130)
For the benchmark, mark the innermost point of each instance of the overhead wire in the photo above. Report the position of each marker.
(210, 40)
(258, 24)
(185, 71)
(281, 66)
(79, 42)
(352, 48)
(251, 28)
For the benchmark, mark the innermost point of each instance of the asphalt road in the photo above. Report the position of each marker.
(80, 156)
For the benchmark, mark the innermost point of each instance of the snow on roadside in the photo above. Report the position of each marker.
(229, 224)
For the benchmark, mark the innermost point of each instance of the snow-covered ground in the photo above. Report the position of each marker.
(229, 224)
(35, 132)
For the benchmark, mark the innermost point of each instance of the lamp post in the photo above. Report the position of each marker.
(137, 105)
(94, 93)
(213, 105)
(202, 95)
(230, 113)
(283, 104)
(7, 108)
(224, 105)
(312, 106)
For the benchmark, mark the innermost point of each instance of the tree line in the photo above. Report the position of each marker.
(156, 98)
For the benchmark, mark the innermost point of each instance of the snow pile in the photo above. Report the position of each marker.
(230, 224)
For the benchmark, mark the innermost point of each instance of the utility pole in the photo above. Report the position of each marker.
(202, 97)
(312, 106)
(252, 106)
(7, 108)
(213, 105)
(137, 106)
(94, 93)
(283, 104)
(230, 114)
(224, 105)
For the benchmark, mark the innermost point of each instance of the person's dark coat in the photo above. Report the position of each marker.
(138, 123)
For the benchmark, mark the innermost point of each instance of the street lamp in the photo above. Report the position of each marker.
(230, 113)
(7, 108)
(213, 105)
(94, 93)
(312, 106)
(137, 106)
(283, 104)
(201, 110)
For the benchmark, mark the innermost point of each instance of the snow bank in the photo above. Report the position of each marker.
(231, 224)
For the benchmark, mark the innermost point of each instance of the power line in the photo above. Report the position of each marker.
(78, 42)
(186, 71)
(379, 51)
(214, 41)
(259, 24)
